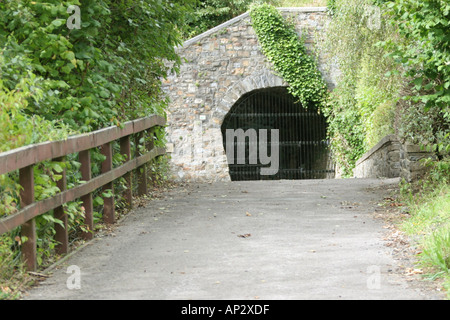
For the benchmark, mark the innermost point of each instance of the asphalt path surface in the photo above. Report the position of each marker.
(262, 240)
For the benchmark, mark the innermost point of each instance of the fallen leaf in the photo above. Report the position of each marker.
(244, 235)
(248, 214)
(395, 204)
(412, 271)
(5, 289)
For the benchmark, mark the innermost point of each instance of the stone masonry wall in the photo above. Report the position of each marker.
(391, 159)
(221, 65)
(383, 160)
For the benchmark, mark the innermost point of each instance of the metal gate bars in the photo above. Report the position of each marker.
(303, 148)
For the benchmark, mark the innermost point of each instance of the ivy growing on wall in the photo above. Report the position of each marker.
(287, 52)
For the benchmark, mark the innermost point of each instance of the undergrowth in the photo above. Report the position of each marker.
(428, 201)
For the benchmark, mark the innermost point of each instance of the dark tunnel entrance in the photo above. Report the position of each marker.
(297, 137)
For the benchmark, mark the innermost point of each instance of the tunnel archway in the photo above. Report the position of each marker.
(302, 147)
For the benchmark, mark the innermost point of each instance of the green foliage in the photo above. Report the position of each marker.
(36, 32)
(56, 81)
(107, 71)
(18, 129)
(429, 128)
(12, 270)
(362, 108)
(429, 220)
(436, 252)
(424, 53)
(423, 58)
(395, 75)
(345, 127)
(331, 6)
(282, 46)
(376, 94)
(420, 50)
(381, 122)
(210, 13)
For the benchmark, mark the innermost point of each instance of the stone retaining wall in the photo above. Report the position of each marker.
(391, 159)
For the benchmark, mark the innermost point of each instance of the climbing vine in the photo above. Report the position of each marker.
(283, 47)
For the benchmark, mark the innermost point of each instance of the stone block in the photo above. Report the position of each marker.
(394, 156)
(412, 148)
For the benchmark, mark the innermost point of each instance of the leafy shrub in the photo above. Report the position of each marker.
(56, 81)
(423, 52)
(107, 71)
(210, 13)
(380, 123)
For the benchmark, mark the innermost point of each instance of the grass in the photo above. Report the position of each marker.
(429, 225)
(430, 213)
(13, 277)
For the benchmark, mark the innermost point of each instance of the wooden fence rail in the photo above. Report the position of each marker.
(23, 159)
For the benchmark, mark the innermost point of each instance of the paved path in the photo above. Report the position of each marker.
(304, 239)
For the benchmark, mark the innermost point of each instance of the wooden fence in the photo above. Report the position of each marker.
(25, 158)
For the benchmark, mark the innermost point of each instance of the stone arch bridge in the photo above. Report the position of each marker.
(221, 66)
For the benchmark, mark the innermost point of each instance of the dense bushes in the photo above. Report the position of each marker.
(360, 106)
(424, 56)
(57, 79)
(105, 72)
(393, 56)
(210, 13)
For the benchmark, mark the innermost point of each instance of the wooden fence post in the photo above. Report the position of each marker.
(86, 174)
(125, 149)
(61, 232)
(26, 180)
(142, 170)
(108, 202)
(149, 146)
